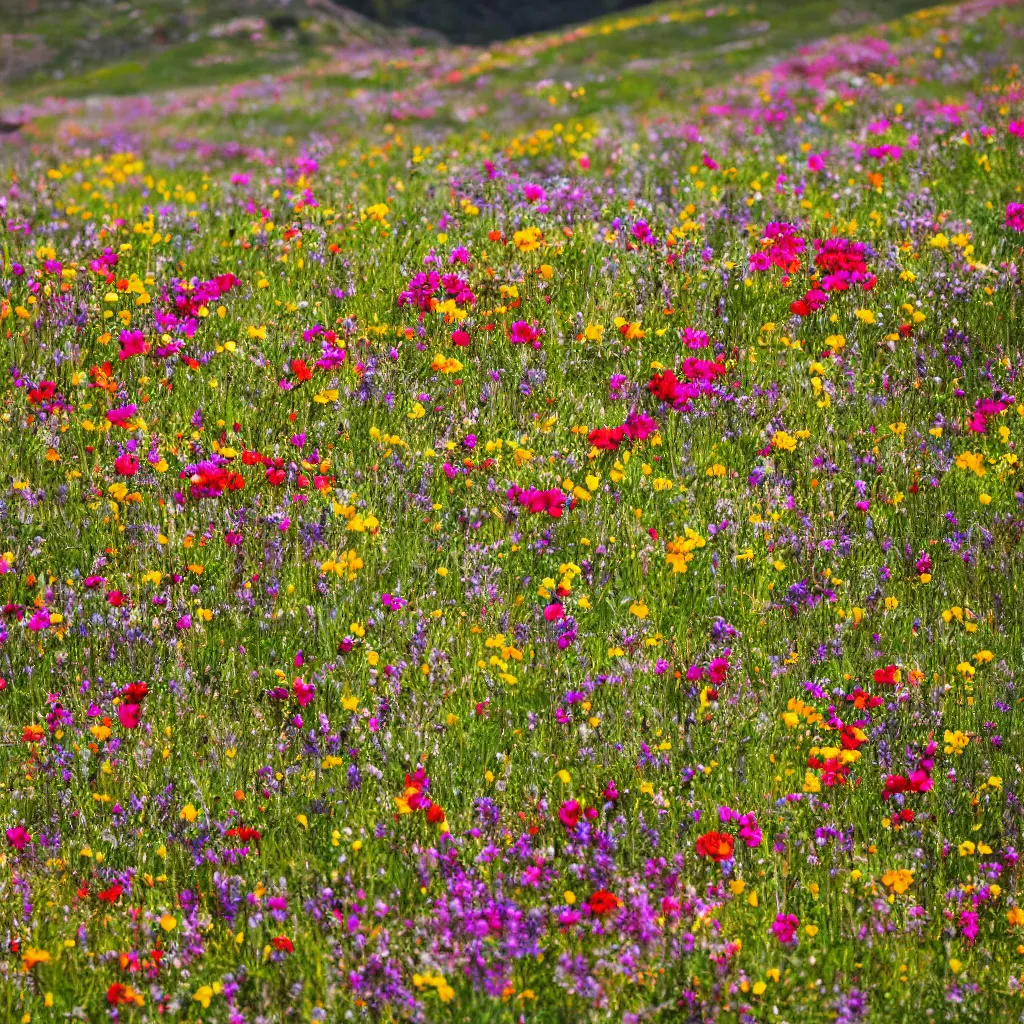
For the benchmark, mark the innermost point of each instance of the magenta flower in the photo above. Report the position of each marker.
(784, 928)
(18, 837)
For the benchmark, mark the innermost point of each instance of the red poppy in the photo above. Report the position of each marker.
(716, 845)
(282, 944)
(888, 676)
(134, 693)
(112, 895)
(245, 833)
(603, 902)
(435, 814)
(119, 994)
(607, 439)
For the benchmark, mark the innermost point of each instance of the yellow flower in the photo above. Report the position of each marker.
(865, 316)
(679, 552)
(33, 956)
(528, 239)
(955, 742)
(783, 441)
(206, 992)
(899, 880)
(971, 461)
(639, 609)
(445, 364)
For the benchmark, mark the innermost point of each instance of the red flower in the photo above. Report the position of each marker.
(111, 895)
(119, 994)
(435, 814)
(716, 845)
(282, 943)
(126, 465)
(888, 676)
(245, 833)
(603, 902)
(300, 370)
(134, 693)
(851, 737)
(607, 439)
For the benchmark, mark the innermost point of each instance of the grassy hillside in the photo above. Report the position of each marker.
(231, 68)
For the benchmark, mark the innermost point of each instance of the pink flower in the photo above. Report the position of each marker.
(523, 333)
(640, 426)
(128, 715)
(40, 620)
(554, 611)
(18, 837)
(133, 343)
(126, 465)
(304, 692)
(784, 928)
(569, 813)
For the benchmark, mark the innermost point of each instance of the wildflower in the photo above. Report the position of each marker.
(569, 813)
(18, 837)
(716, 846)
(33, 956)
(304, 692)
(785, 927)
(603, 902)
(898, 880)
(126, 464)
(119, 994)
(888, 676)
(528, 239)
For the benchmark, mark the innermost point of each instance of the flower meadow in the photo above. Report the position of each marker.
(470, 572)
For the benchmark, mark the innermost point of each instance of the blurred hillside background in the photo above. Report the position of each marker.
(259, 70)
